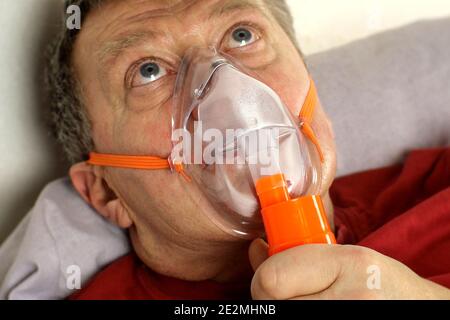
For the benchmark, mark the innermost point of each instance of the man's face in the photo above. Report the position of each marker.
(126, 60)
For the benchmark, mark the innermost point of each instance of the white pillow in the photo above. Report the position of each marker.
(61, 232)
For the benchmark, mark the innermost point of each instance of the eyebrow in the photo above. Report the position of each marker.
(114, 48)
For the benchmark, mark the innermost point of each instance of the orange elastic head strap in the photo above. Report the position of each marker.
(156, 163)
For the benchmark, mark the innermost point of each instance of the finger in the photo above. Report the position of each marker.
(301, 271)
(258, 253)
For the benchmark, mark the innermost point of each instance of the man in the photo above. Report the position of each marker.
(112, 86)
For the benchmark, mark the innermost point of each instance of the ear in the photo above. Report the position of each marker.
(93, 188)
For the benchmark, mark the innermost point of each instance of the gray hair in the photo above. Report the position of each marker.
(67, 115)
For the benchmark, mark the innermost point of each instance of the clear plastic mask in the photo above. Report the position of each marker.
(229, 130)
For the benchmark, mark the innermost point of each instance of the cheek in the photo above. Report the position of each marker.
(289, 79)
(166, 204)
(101, 115)
(144, 133)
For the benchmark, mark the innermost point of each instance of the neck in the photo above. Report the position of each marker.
(193, 261)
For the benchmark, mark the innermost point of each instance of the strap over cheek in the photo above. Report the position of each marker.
(306, 116)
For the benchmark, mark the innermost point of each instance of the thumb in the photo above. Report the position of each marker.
(258, 252)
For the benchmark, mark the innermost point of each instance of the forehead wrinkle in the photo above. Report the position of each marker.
(172, 7)
(220, 7)
(235, 5)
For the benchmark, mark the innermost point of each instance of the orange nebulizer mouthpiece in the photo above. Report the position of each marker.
(291, 222)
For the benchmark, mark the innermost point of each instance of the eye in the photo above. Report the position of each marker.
(147, 72)
(241, 37)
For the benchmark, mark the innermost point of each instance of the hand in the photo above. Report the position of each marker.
(335, 272)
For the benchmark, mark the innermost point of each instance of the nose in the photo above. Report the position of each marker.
(217, 62)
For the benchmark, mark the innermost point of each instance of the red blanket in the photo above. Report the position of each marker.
(401, 211)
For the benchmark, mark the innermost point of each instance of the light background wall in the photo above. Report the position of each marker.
(323, 24)
(27, 157)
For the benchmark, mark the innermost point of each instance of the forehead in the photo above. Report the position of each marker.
(118, 25)
(131, 12)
